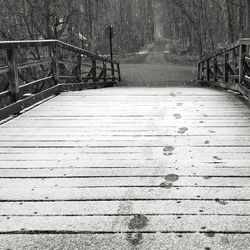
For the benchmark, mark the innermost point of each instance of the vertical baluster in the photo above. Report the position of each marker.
(119, 72)
(94, 70)
(208, 70)
(79, 67)
(242, 54)
(113, 72)
(215, 68)
(202, 71)
(104, 72)
(55, 62)
(199, 71)
(13, 74)
(225, 76)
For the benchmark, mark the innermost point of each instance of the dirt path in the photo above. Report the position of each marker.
(155, 57)
(156, 71)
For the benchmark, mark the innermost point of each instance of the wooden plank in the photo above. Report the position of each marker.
(124, 163)
(34, 84)
(146, 181)
(123, 241)
(117, 155)
(107, 131)
(159, 155)
(122, 172)
(124, 193)
(153, 207)
(157, 151)
(112, 224)
(83, 85)
(22, 104)
(129, 143)
(13, 74)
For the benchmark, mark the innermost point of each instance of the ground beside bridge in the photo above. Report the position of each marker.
(127, 168)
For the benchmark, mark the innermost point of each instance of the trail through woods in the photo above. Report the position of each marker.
(157, 71)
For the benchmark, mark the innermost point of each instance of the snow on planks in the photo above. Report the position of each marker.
(126, 168)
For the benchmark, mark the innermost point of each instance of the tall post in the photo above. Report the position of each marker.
(55, 62)
(119, 72)
(79, 67)
(243, 49)
(104, 72)
(199, 71)
(208, 70)
(111, 31)
(202, 71)
(225, 67)
(94, 70)
(111, 42)
(13, 74)
(215, 68)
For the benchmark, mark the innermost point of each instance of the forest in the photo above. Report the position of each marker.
(198, 26)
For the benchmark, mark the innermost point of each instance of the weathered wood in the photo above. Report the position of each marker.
(225, 76)
(202, 71)
(55, 63)
(215, 69)
(54, 47)
(107, 224)
(13, 74)
(230, 67)
(93, 71)
(242, 55)
(79, 68)
(91, 163)
(34, 84)
(113, 71)
(104, 72)
(199, 71)
(124, 193)
(208, 70)
(22, 104)
(119, 72)
(124, 241)
(157, 207)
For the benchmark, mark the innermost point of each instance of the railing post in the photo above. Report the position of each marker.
(104, 72)
(215, 69)
(113, 71)
(55, 62)
(208, 70)
(79, 68)
(199, 71)
(94, 70)
(225, 67)
(13, 74)
(242, 54)
(202, 71)
(119, 72)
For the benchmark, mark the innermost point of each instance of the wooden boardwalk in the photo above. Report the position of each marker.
(127, 168)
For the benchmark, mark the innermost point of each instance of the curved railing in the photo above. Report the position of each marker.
(31, 71)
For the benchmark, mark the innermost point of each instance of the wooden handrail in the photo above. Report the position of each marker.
(44, 43)
(231, 64)
(89, 71)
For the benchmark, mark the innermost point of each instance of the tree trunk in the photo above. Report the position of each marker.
(229, 22)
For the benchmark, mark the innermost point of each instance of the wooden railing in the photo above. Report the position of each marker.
(228, 68)
(31, 71)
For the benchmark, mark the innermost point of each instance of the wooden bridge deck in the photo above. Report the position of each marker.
(156, 168)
